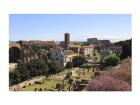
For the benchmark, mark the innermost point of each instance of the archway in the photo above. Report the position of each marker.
(14, 54)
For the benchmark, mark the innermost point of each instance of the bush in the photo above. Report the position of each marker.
(69, 65)
(58, 86)
(24, 86)
(68, 75)
(38, 82)
(111, 60)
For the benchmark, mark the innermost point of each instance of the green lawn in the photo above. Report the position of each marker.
(48, 84)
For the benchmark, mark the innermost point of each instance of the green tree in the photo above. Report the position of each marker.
(49, 54)
(68, 75)
(14, 54)
(96, 58)
(45, 57)
(78, 61)
(55, 67)
(37, 67)
(14, 77)
(69, 65)
(35, 48)
(126, 48)
(23, 72)
(111, 60)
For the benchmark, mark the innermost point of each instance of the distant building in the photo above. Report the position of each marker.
(104, 44)
(27, 53)
(57, 54)
(66, 51)
(42, 44)
(61, 55)
(69, 54)
(104, 53)
(116, 49)
(110, 50)
(75, 48)
(86, 51)
(62, 44)
(93, 41)
(104, 47)
(42, 52)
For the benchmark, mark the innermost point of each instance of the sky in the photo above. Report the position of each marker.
(114, 27)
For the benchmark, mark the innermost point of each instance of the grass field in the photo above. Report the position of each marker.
(51, 81)
(48, 84)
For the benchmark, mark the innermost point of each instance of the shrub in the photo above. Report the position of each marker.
(69, 65)
(111, 60)
(24, 86)
(58, 86)
(68, 75)
(35, 89)
(38, 82)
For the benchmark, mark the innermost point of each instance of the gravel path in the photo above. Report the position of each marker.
(26, 83)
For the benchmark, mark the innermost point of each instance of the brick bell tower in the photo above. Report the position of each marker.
(67, 41)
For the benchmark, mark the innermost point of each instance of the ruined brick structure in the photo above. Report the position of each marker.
(24, 51)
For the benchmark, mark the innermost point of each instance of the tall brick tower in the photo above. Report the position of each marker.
(67, 41)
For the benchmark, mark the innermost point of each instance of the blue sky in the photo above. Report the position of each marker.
(81, 26)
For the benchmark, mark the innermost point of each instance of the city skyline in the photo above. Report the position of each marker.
(114, 27)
